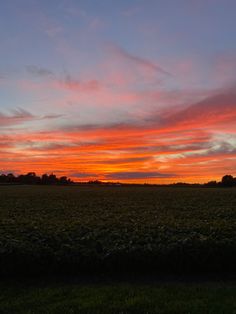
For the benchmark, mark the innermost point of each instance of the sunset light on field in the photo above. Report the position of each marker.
(129, 91)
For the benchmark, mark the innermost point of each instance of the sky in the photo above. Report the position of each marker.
(130, 90)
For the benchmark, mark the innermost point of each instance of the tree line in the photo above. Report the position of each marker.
(226, 181)
(52, 179)
(32, 178)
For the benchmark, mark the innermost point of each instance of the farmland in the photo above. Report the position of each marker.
(58, 229)
(116, 298)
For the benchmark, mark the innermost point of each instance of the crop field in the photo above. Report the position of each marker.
(116, 298)
(58, 229)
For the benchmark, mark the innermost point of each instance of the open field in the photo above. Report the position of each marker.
(46, 229)
(107, 298)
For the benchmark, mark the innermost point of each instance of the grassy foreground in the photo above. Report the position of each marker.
(51, 229)
(105, 298)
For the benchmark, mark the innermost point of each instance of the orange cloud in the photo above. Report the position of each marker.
(148, 144)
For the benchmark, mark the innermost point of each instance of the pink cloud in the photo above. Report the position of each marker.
(78, 85)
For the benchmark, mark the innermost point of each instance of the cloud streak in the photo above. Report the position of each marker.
(73, 84)
(38, 71)
(21, 116)
(130, 175)
(138, 61)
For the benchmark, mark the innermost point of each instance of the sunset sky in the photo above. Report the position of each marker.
(128, 90)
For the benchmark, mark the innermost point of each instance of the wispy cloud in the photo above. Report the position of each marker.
(126, 175)
(217, 108)
(21, 116)
(18, 116)
(84, 175)
(70, 83)
(137, 60)
(38, 71)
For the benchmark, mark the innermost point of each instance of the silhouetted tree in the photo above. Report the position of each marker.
(52, 179)
(63, 180)
(3, 178)
(212, 183)
(95, 182)
(227, 180)
(44, 179)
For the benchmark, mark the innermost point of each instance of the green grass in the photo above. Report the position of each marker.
(105, 298)
(45, 229)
